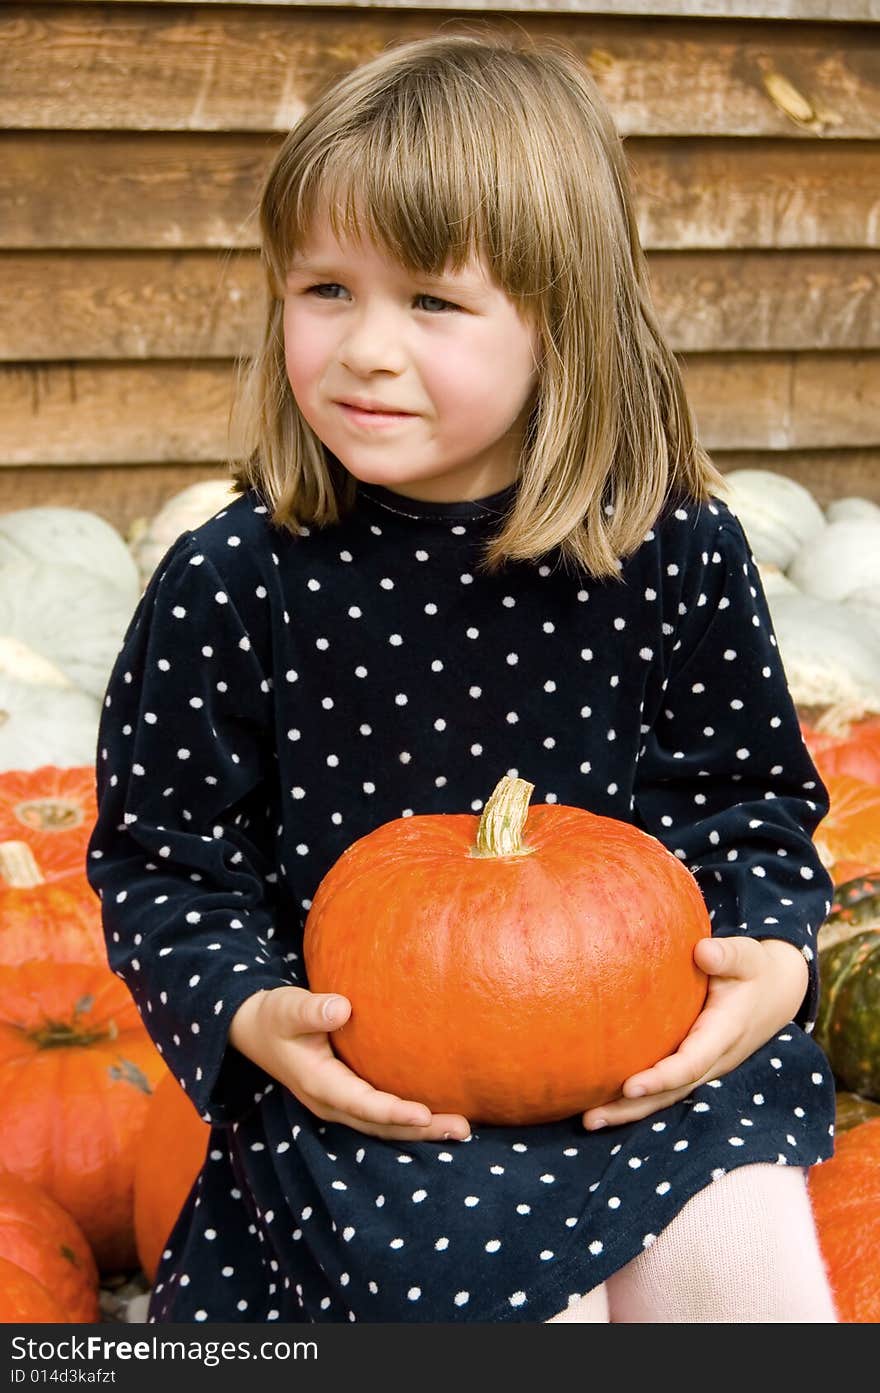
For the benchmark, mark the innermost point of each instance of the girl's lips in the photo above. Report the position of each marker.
(373, 420)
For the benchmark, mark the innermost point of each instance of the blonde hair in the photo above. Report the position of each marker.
(454, 146)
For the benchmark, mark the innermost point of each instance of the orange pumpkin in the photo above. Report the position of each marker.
(77, 1069)
(171, 1152)
(24, 1299)
(511, 977)
(848, 837)
(54, 811)
(41, 1237)
(59, 921)
(845, 1194)
(852, 748)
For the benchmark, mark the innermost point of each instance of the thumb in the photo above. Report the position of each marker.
(727, 957)
(328, 1011)
(299, 1011)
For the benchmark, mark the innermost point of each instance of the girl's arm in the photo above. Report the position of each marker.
(181, 858)
(725, 781)
(178, 854)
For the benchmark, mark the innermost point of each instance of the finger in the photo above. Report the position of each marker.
(439, 1129)
(324, 1011)
(710, 1039)
(312, 1013)
(345, 1097)
(631, 1109)
(728, 957)
(349, 1099)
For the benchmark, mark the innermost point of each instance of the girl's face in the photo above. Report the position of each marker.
(422, 386)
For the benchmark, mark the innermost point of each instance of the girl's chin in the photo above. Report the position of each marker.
(420, 487)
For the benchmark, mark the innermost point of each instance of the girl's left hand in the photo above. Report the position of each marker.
(756, 986)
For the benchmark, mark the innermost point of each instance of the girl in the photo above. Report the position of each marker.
(475, 535)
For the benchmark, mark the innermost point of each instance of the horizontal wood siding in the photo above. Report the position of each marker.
(134, 139)
(841, 11)
(156, 411)
(182, 191)
(135, 305)
(255, 69)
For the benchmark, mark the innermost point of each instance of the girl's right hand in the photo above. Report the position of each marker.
(285, 1032)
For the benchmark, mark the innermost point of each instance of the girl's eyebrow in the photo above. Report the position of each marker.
(313, 269)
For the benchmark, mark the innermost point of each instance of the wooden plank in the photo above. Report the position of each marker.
(785, 402)
(122, 493)
(153, 413)
(111, 305)
(69, 67)
(90, 190)
(767, 301)
(146, 413)
(723, 193)
(185, 191)
(840, 11)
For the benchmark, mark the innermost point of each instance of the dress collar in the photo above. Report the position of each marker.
(489, 509)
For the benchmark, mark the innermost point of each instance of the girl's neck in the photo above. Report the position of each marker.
(492, 507)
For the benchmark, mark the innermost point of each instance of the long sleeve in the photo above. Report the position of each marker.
(724, 778)
(178, 854)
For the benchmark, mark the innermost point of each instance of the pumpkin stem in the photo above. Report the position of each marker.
(50, 814)
(504, 816)
(59, 1035)
(64, 1034)
(18, 867)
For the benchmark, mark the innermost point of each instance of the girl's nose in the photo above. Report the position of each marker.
(373, 342)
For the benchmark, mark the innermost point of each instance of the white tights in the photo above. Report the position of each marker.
(743, 1250)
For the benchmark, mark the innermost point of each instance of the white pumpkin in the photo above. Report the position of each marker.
(778, 515)
(865, 597)
(830, 657)
(852, 510)
(775, 581)
(70, 536)
(68, 615)
(18, 660)
(43, 724)
(866, 604)
(843, 558)
(150, 538)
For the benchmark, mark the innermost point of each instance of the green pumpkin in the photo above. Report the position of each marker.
(848, 1023)
(851, 1110)
(857, 901)
(856, 908)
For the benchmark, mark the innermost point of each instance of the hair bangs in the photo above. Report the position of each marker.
(423, 171)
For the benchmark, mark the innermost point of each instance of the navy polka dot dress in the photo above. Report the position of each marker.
(277, 697)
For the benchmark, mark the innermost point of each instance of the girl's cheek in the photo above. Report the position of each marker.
(453, 377)
(305, 355)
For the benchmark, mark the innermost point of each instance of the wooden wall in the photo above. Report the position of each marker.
(134, 137)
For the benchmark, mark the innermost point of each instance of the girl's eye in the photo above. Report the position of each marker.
(433, 305)
(316, 289)
(446, 304)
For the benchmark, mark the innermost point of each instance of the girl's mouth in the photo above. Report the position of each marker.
(373, 419)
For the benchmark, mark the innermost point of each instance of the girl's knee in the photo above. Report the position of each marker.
(743, 1249)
